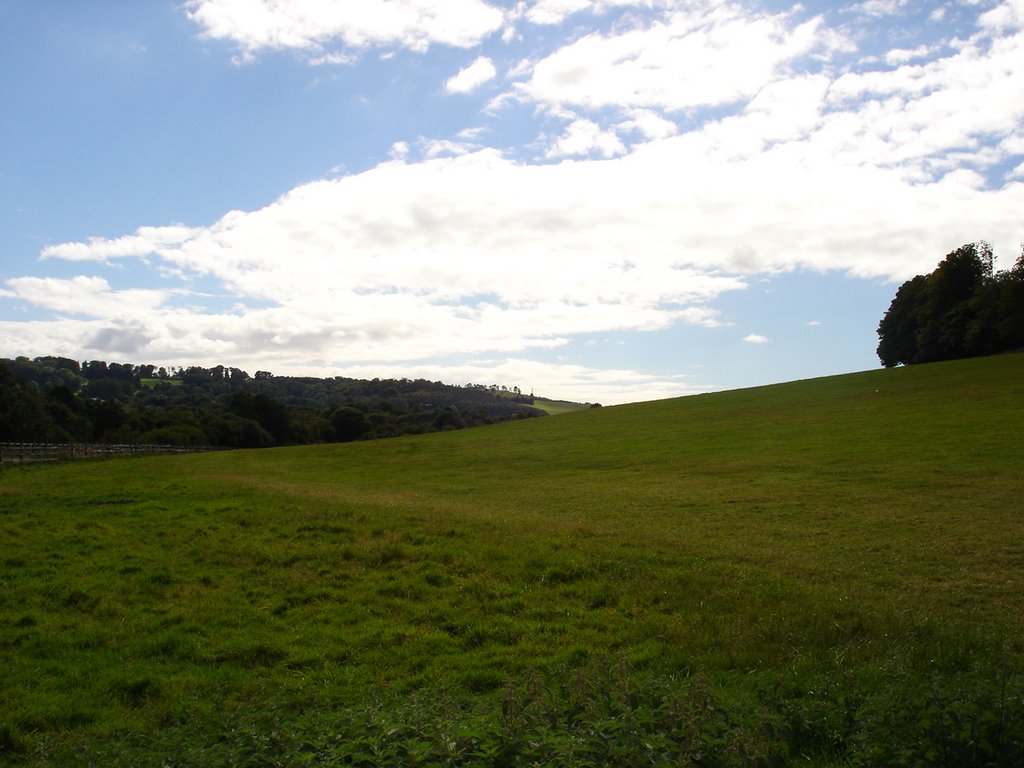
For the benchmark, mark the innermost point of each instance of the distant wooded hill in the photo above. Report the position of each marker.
(57, 399)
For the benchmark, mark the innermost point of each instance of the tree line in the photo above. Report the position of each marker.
(57, 399)
(961, 309)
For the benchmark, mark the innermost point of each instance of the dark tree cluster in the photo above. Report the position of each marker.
(56, 399)
(961, 309)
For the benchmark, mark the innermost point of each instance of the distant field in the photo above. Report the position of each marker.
(154, 382)
(827, 572)
(553, 407)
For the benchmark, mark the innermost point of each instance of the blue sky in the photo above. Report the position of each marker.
(600, 200)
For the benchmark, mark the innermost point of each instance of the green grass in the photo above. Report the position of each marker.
(825, 572)
(554, 407)
(151, 383)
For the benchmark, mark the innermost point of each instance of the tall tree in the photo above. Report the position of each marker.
(23, 413)
(961, 309)
(1011, 305)
(949, 307)
(897, 332)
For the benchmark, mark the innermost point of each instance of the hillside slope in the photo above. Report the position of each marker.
(840, 559)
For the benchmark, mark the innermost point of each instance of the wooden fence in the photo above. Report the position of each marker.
(29, 453)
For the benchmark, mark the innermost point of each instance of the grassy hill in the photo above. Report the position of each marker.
(555, 407)
(824, 572)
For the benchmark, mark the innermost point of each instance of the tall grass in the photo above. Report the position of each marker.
(827, 570)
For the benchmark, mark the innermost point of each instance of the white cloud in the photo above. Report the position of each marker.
(1007, 15)
(552, 12)
(444, 148)
(913, 115)
(553, 380)
(903, 55)
(583, 137)
(399, 150)
(755, 338)
(703, 316)
(472, 77)
(472, 134)
(84, 295)
(479, 254)
(146, 240)
(333, 59)
(710, 54)
(649, 124)
(880, 8)
(784, 110)
(314, 25)
(465, 254)
(555, 11)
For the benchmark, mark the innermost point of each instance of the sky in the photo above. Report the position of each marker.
(598, 200)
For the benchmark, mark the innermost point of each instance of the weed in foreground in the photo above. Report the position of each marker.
(604, 714)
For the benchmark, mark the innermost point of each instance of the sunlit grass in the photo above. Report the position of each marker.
(765, 547)
(554, 407)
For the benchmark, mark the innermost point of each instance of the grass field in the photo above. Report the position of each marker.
(555, 407)
(827, 572)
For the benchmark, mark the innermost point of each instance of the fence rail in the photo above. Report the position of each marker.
(30, 453)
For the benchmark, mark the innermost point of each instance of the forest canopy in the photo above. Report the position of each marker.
(961, 309)
(57, 399)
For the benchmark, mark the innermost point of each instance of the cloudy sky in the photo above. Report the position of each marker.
(600, 200)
